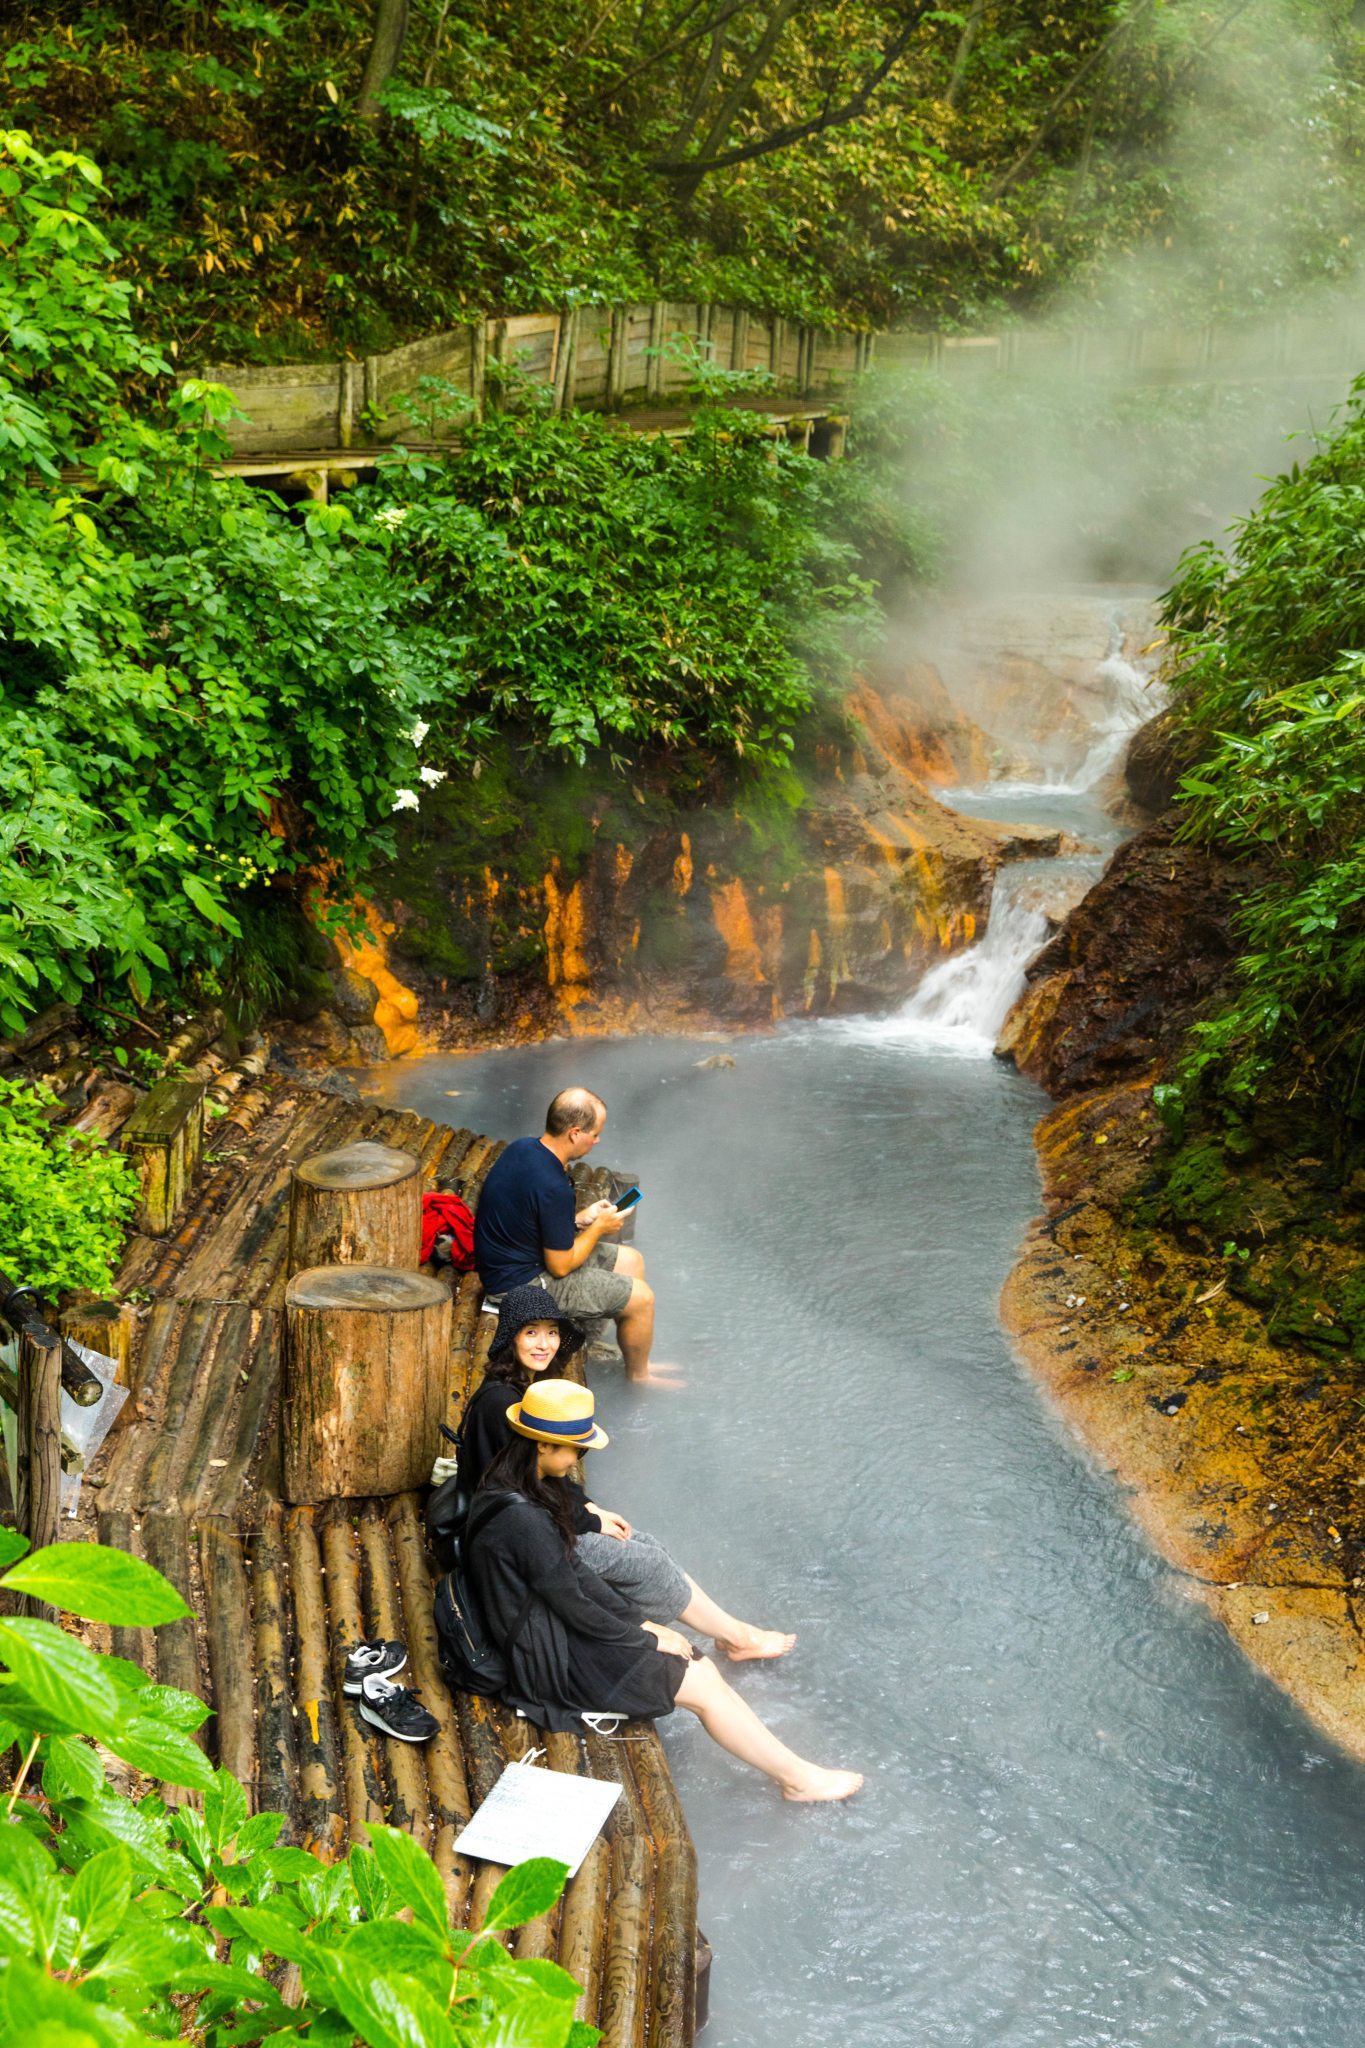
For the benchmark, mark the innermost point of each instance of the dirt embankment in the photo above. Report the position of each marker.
(1194, 1300)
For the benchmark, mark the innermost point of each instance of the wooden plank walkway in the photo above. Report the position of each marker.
(190, 1481)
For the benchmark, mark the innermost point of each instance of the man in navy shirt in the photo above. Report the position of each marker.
(526, 1231)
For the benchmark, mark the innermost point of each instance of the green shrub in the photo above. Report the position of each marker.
(123, 1923)
(64, 1199)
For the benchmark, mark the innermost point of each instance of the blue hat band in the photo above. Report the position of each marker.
(569, 1427)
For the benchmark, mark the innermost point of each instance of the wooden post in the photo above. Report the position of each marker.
(739, 339)
(40, 1450)
(777, 338)
(371, 383)
(499, 398)
(838, 435)
(365, 1359)
(616, 357)
(566, 360)
(654, 362)
(478, 349)
(164, 1138)
(348, 404)
(361, 1206)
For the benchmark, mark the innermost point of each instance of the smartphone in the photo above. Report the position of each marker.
(626, 1201)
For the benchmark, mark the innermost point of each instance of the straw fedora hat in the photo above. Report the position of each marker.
(557, 1412)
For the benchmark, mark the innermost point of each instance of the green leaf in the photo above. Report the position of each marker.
(99, 1897)
(388, 2012)
(525, 1893)
(100, 1583)
(371, 1889)
(12, 1545)
(162, 1752)
(393, 1944)
(71, 1769)
(412, 1875)
(208, 906)
(58, 1673)
(224, 1808)
(100, 1822)
(41, 2009)
(581, 2035)
(267, 1931)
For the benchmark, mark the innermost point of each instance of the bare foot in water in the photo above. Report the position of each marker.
(657, 1376)
(754, 1642)
(818, 1784)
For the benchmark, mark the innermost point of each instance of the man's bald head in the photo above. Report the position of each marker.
(574, 1109)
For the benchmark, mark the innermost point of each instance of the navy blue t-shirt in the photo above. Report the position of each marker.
(527, 1207)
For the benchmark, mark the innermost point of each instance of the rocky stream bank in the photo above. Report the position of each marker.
(1193, 1298)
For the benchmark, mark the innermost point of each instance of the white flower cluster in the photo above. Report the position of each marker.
(408, 799)
(391, 516)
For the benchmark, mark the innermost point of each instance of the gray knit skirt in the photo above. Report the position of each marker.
(640, 1570)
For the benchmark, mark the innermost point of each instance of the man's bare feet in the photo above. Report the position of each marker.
(754, 1642)
(818, 1784)
(657, 1376)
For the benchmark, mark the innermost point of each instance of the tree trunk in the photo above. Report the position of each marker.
(361, 1206)
(366, 1356)
(386, 54)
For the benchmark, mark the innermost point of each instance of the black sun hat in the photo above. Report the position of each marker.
(523, 1305)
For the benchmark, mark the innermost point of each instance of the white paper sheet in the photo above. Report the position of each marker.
(532, 1812)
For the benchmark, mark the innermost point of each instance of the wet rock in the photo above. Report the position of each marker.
(356, 997)
(1158, 755)
(717, 1059)
(1147, 949)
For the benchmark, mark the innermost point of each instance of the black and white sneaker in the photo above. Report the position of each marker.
(395, 1711)
(372, 1660)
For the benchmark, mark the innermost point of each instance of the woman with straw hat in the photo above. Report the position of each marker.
(576, 1648)
(532, 1337)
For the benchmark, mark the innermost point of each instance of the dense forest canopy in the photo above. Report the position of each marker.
(315, 175)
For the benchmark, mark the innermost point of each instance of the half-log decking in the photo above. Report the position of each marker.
(191, 1482)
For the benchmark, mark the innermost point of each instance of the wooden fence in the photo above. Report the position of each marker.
(610, 358)
(600, 357)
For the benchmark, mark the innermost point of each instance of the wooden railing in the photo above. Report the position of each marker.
(610, 358)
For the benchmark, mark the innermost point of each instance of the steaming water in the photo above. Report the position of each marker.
(1087, 1821)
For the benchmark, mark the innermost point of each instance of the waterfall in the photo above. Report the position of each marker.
(961, 1004)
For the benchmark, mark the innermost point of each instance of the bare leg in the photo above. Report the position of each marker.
(635, 1334)
(732, 1723)
(739, 1639)
(630, 1262)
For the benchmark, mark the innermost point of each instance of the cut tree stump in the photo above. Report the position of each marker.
(361, 1206)
(366, 1356)
(164, 1138)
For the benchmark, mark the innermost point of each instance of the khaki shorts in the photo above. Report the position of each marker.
(593, 1289)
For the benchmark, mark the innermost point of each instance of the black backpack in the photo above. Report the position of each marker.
(470, 1661)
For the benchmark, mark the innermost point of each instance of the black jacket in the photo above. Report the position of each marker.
(577, 1637)
(486, 1431)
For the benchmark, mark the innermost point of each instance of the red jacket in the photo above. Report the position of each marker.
(446, 1215)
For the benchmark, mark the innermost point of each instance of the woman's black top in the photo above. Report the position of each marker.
(485, 1432)
(579, 1649)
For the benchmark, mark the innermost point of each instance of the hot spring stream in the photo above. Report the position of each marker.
(1086, 1819)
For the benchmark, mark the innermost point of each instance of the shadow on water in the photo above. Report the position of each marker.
(1087, 1820)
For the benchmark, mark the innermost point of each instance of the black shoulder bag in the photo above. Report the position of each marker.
(469, 1659)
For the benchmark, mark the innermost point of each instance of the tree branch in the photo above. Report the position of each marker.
(1078, 78)
(740, 90)
(964, 50)
(696, 168)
